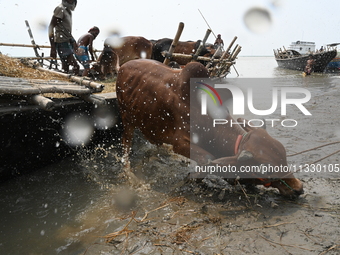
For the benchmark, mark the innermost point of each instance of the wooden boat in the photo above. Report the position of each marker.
(296, 56)
(335, 62)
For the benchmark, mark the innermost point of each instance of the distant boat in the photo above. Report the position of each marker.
(297, 54)
(335, 62)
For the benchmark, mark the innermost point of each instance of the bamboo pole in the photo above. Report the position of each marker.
(23, 45)
(35, 58)
(229, 47)
(94, 85)
(91, 84)
(232, 53)
(174, 43)
(31, 46)
(236, 52)
(94, 99)
(30, 89)
(186, 56)
(198, 51)
(43, 102)
(212, 59)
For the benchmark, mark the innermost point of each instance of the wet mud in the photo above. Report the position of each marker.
(168, 214)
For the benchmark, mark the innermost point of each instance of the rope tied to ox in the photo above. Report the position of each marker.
(315, 148)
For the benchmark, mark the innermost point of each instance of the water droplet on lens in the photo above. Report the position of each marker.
(77, 130)
(114, 40)
(258, 20)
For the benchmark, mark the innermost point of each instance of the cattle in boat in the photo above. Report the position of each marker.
(106, 65)
(155, 99)
(188, 48)
(116, 54)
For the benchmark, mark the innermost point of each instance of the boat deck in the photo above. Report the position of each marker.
(18, 94)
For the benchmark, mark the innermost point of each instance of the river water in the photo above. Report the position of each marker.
(65, 207)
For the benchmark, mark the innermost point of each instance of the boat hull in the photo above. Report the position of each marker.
(299, 62)
(335, 63)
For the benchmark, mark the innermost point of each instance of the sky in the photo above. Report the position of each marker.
(260, 25)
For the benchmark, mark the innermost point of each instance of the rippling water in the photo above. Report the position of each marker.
(63, 208)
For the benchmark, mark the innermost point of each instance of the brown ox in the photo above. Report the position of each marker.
(112, 57)
(155, 99)
(106, 65)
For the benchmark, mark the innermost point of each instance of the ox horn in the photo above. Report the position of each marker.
(245, 155)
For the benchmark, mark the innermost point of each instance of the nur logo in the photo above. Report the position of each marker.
(209, 90)
(239, 99)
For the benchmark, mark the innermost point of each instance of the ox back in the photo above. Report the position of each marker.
(133, 47)
(112, 57)
(155, 99)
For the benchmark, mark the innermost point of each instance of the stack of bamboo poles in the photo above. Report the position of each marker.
(93, 87)
(218, 67)
(222, 68)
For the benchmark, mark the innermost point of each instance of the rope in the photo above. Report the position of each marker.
(320, 159)
(313, 149)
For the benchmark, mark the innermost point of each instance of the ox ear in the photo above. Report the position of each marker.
(245, 125)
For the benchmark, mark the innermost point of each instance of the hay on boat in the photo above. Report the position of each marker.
(13, 67)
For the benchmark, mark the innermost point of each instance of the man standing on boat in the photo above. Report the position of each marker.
(310, 65)
(219, 41)
(60, 35)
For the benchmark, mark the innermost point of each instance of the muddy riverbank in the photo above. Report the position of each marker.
(80, 205)
(169, 217)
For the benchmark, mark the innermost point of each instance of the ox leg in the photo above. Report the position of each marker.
(194, 153)
(127, 142)
(182, 145)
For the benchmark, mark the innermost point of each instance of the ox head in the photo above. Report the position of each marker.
(258, 148)
(107, 64)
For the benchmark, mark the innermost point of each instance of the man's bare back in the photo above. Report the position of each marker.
(85, 47)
